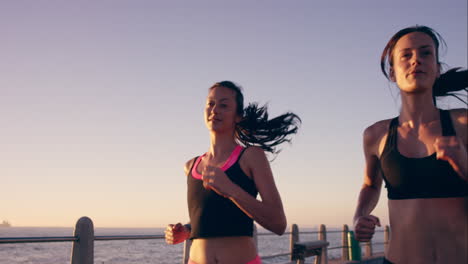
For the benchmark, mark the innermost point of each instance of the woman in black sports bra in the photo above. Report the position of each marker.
(223, 183)
(421, 155)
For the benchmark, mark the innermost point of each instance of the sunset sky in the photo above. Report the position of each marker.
(101, 102)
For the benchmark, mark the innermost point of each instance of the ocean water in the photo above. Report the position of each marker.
(136, 251)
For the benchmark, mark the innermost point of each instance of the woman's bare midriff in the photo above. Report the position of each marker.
(433, 230)
(226, 250)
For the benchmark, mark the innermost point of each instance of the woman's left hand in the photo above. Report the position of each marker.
(452, 150)
(214, 178)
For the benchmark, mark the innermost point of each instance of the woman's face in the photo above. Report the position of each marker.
(221, 110)
(415, 65)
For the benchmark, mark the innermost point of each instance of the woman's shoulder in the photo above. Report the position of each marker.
(253, 160)
(459, 115)
(254, 150)
(460, 122)
(375, 136)
(253, 155)
(188, 165)
(377, 130)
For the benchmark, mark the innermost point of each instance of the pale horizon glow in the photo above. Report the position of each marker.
(101, 102)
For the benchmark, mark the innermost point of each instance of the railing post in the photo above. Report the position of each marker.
(187, 245)
(344, 243)
(368, 249)
(322, 235)
(83, 248)
(293, 238)
(386, 237)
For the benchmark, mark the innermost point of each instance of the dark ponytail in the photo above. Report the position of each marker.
(450, 82)
(255, 129)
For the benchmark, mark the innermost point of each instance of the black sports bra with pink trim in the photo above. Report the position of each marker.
(212, 215)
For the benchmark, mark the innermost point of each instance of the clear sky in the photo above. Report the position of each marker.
(101, 102)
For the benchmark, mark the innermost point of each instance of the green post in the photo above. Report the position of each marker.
(354, 247)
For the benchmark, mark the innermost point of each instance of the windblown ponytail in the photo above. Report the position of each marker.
(255, 129)
(450, 82)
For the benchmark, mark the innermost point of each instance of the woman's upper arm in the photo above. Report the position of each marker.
(372, 147)
(259, 169)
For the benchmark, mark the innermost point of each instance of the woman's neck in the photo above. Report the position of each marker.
(221, 144)
(418, 109)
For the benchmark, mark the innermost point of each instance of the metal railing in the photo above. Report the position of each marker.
(83, 242)
(18, 240)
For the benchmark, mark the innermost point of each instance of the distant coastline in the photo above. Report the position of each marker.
(5, 223)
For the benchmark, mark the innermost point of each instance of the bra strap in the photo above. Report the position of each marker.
(446, 122)
(393, 132)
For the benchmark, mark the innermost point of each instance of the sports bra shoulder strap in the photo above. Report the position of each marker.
(393, 131)
(446, 122)
(242, 152)
(194, 160)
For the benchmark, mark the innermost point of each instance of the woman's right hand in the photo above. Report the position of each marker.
(176, 234)
(364, 227)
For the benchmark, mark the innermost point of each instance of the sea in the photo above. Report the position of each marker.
(139, 251)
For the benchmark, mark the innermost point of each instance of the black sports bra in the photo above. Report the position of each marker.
(413, 178)
(212, 215)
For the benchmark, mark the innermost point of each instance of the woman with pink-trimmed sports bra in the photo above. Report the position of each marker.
(223, 183)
